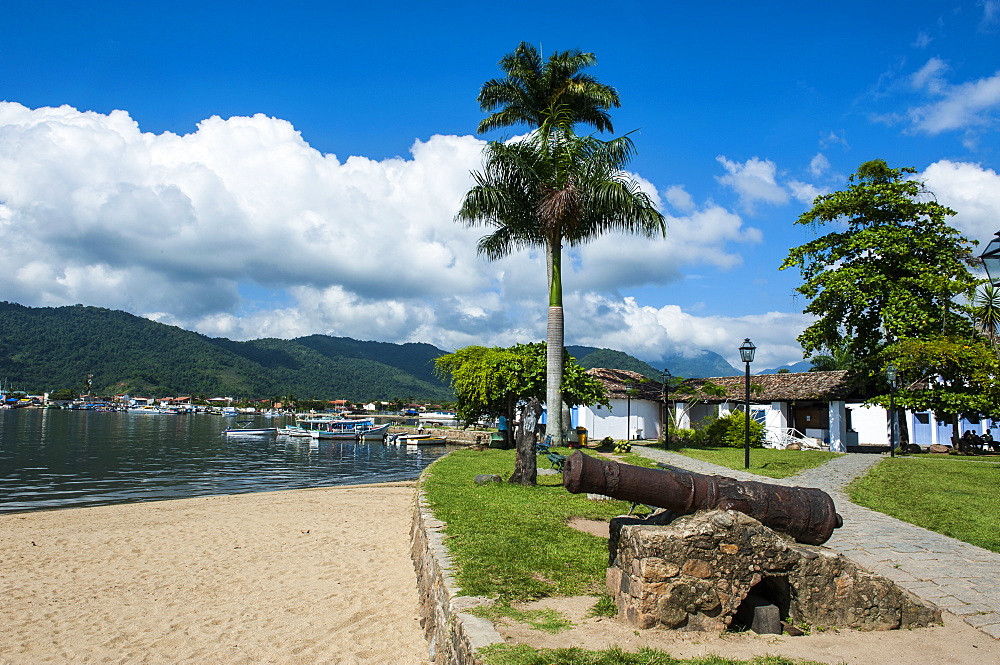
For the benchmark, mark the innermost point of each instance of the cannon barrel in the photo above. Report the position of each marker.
(806, 514)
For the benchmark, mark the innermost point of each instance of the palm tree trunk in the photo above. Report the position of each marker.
(554, 339)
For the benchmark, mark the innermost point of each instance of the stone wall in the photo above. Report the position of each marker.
(695, 573)
(462, 437)
(452, 633)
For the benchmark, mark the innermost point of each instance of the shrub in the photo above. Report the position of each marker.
(730, 431)
(689, 438)
(623, 447)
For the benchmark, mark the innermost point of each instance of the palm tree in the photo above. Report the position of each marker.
(546, 96)
(547, 191)
(550, 97)
(986, 312)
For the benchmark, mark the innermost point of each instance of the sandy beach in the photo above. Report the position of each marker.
(303, 576)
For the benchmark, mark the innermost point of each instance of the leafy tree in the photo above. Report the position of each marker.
(950, 376)
(888, 271)
(489, 382)
(550, 97)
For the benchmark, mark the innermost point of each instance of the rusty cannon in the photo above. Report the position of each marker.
(806, 514)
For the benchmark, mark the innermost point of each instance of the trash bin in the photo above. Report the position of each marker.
(581, 436)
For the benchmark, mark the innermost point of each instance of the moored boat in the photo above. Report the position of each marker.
(419, 440)
(243, 428)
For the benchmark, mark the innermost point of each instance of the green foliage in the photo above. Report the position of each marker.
(986, 312)
(490, 381)
(622, 447)
(604, 607)
(690, 438)
(946, 375)
(890, 269)
(730, 431)
(948, 495)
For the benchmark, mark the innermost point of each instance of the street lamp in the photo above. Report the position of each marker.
(991, 259)
(664, 394)
(746, 355)
(628, 410)
(890, 375)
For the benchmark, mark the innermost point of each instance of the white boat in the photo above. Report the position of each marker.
(374, 433)
(419, 440)
(293, 430)
(243, 428)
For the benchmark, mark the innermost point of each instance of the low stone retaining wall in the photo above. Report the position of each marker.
(452, 633)
(463, 437)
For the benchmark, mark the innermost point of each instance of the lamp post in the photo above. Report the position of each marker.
(664, 394)
(890, 374)
(746, 355)
(991, 259)
(628, 410)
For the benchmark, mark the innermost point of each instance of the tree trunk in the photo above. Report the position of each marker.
(525, 466)
(554, 339)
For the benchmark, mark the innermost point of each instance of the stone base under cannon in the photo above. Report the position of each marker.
(700, 571)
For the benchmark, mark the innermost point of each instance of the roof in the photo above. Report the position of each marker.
(784, 387)
(618, 381)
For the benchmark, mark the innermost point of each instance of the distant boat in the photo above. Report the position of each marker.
(243, 428)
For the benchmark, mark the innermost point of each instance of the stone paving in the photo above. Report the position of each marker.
(954, 576)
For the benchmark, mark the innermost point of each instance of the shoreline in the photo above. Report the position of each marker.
(292, 576)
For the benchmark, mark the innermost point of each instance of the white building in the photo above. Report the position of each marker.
(817, 405)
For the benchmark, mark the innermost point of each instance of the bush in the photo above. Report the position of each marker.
(623, 447)
(730, 431)
(689, 438)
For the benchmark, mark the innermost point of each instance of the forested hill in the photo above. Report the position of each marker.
(44, 349)
(50, 348)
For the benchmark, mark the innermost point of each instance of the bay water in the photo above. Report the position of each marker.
(59, 459)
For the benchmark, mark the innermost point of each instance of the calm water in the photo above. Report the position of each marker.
(61, 459)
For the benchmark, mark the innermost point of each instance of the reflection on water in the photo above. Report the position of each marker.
(58, 459)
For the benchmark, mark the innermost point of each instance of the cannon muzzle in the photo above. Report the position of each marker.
(806, 514)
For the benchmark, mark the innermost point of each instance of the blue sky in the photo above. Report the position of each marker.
(252, 169)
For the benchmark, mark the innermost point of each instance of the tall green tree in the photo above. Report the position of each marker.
(550, 97)
(489, 382)
(950, 376)
(889, 269)
(545, 95)
(566, 190)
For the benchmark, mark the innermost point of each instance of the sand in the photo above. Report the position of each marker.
(305, 576)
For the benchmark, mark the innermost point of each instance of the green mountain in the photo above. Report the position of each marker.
(43, 349)
(48, 348)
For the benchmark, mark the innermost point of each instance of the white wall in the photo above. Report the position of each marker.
(601, 421)
(871, 423)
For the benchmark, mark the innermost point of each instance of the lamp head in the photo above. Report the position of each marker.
(891, 373)
(747, 349)
(991, 259)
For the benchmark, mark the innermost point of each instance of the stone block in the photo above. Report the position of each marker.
(697, 572)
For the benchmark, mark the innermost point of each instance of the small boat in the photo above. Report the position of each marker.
(243, 428)
(374, 433)
(293, 430)
(420, 440)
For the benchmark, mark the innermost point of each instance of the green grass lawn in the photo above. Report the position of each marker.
(512, 542)
(951, 495)
(763, 461)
